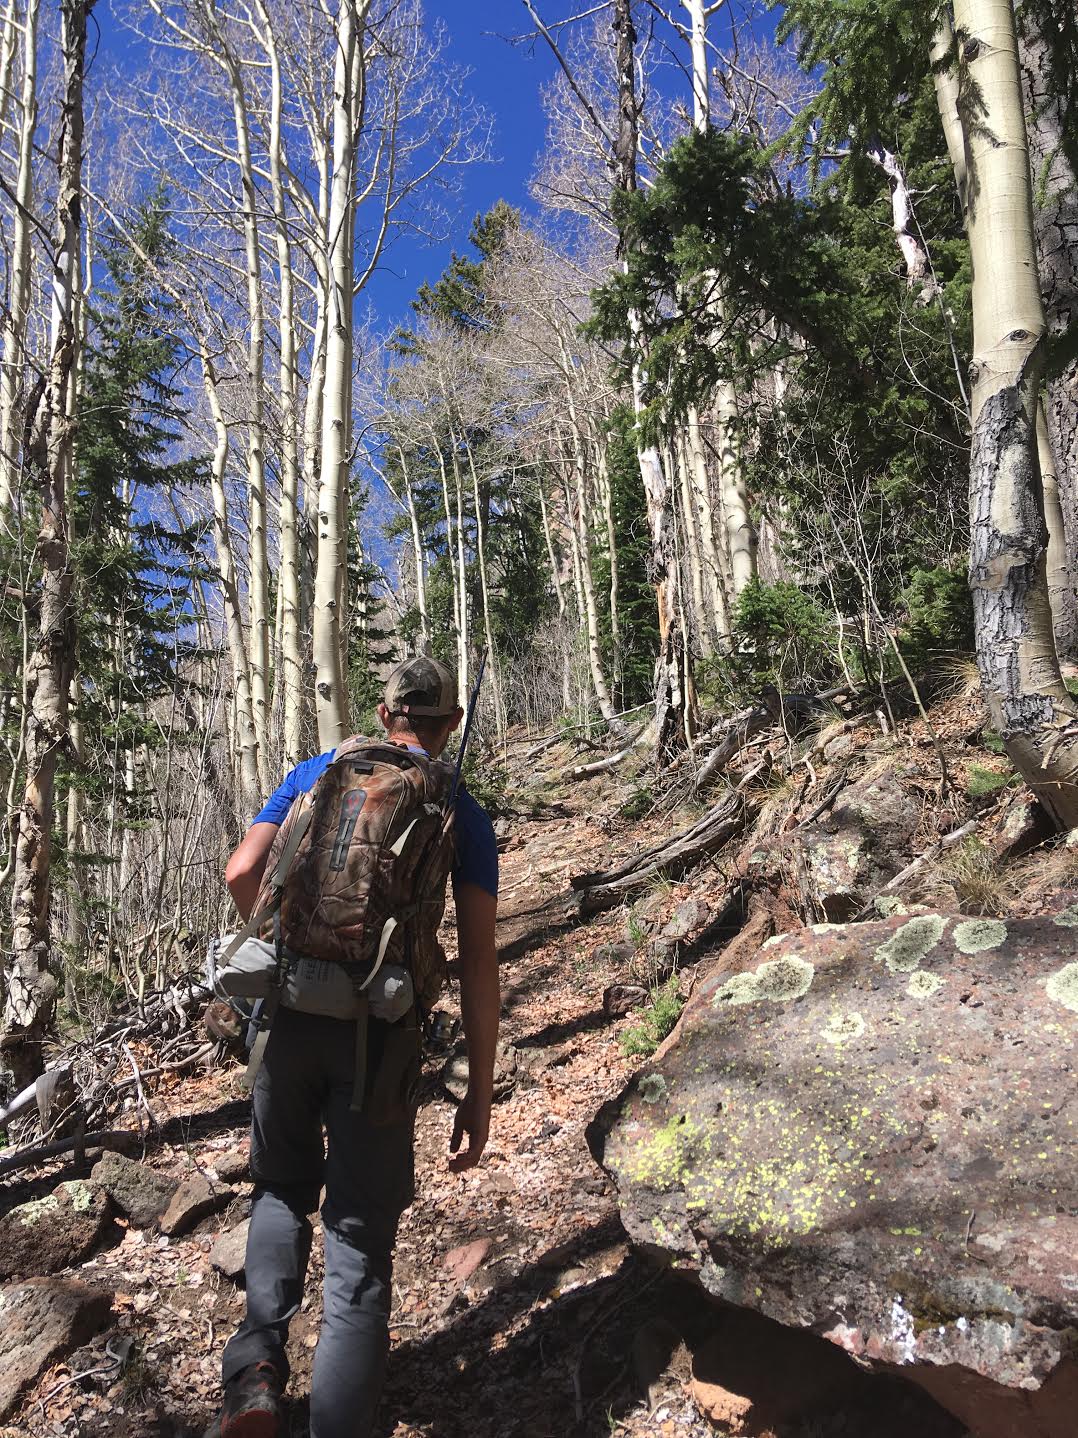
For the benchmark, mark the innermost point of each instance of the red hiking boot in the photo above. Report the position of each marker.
(253, 1403)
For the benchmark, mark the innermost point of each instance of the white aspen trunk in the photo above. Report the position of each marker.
(1024, 691)
(1059, 563)
(244, 735)
(290, 652)
(460, 600)
(9, 41)
(1055, 221)
(559, 594)
(717, 607)
(14, 331)
(693, 549)
(331, 697)
(462, 568)
(607, 500)
(258, 649)
(31, 985)
(484, 590)
(579, 512)
(418, 551)
(740, 535)
(699, 12)
(945, 79)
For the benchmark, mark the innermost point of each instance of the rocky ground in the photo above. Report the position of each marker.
(521, 1309)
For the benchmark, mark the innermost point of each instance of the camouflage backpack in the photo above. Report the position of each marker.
(356, 877)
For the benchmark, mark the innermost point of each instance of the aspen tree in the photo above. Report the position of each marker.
(290, 649)
(1055, 222)
(331, 697)
(1025, 693)
(31, 985)
(15, 313)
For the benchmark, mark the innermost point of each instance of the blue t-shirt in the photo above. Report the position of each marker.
(477, 848)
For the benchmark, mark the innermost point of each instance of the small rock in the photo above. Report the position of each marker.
(140, 1193)
(229, 1254)
(53, 1232)
(620, 999)
(234, 1167)
(462, 1262)
(43, 1319)
(729, 1411)
(684, 921)
(502, 829)
(507, 1070)
(195, 1199)
(1025, 825)
(614, 953)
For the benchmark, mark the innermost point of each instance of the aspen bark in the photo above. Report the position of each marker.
(1026, 697)
(245, 734)
(1055, 227)
(587, 578)
(418, 550)
(460, 596)
(258, 649)
(717, 608)
(331, 697)
(740, 534)
(290, 650)
(14, 330)
(31, 984)
(484, 591)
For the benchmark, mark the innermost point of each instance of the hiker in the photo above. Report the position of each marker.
(314, 1068)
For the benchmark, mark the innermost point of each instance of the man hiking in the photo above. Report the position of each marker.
(345, 1076)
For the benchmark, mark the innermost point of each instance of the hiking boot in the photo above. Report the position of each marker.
(253, 1403)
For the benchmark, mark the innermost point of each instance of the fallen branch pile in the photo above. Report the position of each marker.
(92, 1083)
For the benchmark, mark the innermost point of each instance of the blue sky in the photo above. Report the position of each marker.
(506, 80)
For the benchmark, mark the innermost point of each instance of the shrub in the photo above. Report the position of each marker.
(939, 613)
(781, 635)
(656, 1022)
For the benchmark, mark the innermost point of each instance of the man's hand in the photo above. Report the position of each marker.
(473, 1119)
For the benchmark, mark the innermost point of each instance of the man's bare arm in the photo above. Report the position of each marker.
(480, 1003)
(243, 872)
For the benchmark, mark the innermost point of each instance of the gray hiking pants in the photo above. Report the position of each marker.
(305, 1082)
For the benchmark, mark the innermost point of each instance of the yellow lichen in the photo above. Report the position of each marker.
(923, 985)
(776, 981)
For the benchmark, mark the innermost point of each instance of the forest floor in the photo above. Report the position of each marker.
(520, 1310)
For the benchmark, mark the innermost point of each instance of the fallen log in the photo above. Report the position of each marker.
(741, 728)
(122, 1140)
(670, 860)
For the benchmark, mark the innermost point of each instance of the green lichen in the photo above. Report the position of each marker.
(907, 946)
(1068, 918)
(923, 985)
(776, 981)
(80, 1194)
(976, 936)
(652, 1088)
(843, 1028)
(887, 906)
(37, 1209)
(1063, 987)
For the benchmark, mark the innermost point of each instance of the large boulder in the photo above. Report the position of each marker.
(872, 1135)
(140, 1193)
(53, 1232)
(40, 1321)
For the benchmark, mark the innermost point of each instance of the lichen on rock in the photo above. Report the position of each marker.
(907, 946)
(843, 1028)
(776, 981)
(977, 936)
(923, 985)
(1063, 987)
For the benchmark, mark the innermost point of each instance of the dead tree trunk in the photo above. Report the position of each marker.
(31, 985)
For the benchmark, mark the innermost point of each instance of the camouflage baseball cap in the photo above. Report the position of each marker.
(422, 687)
